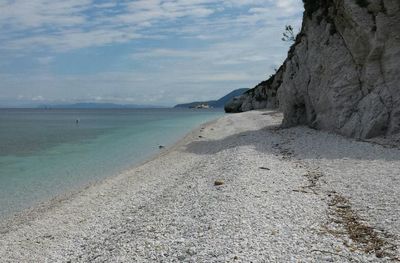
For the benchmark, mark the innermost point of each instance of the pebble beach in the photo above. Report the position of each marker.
(237, 189)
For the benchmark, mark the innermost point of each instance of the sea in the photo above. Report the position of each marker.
(48, 152)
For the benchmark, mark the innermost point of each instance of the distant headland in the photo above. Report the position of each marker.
(93, 105)
(213, 103)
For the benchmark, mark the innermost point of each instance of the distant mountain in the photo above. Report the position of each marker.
(92, 105)
(214, 103)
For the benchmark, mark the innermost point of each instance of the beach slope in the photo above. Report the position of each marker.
(282, 195)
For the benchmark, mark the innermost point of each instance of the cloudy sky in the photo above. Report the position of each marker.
(158, 52)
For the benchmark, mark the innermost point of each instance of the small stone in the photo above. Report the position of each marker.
(191, 251)
(218, 182)
(379, 254)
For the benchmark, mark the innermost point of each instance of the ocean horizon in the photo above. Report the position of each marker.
(48, 152)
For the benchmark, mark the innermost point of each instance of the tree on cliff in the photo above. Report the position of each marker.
(288, 34)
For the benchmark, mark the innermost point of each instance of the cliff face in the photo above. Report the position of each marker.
(343, 72)
(263, 96)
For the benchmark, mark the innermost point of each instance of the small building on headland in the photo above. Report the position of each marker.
(201, 106)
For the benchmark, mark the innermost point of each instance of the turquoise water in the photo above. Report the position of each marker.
(44, 153)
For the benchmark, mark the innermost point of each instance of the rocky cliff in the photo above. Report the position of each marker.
(342, 73)
(263, 96)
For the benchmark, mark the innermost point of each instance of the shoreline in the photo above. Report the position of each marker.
(41, 207)
(287, 195)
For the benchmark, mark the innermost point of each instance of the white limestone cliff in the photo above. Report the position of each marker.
(343, 72)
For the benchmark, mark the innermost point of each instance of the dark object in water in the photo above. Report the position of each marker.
(77, 121)
(161, 147)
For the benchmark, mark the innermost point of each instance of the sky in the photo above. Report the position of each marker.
(153, 52)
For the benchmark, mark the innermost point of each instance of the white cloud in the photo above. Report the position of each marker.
(38, 98)
(21, 14)
(45, 60)
(232, 44)
(67, 24)
(72, 39)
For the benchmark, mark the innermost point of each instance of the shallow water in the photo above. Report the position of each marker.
(44, 153)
